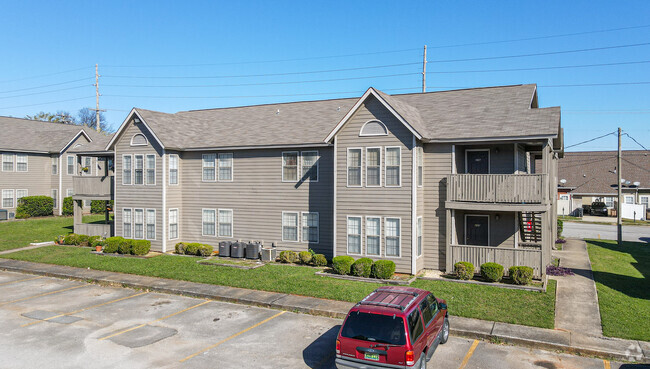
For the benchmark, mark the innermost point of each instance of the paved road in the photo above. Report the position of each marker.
(54, 323)
(605, 231)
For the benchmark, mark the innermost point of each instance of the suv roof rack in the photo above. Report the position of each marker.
(396, 302)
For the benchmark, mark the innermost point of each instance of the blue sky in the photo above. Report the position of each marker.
(172, 56)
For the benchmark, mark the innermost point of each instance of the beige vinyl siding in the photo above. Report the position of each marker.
(502, 230)
(37, 180)
(375, 201)
(437, 165)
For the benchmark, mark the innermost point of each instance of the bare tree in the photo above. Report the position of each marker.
(87, 117)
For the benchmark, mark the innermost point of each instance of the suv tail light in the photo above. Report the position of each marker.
(338, 347)
(410, 358)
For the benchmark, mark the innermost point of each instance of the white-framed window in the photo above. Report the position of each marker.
(290, 226)
(225, 223)
(609, 202)
(225, 167)
(127, 169)
(564, 197)
(392, 231)
(354, 167)
(173, 169)
(393, 167)
(373, 167)
(138, 139)
(151, 169)
(290, 166)
(419, 236)
(354, 235)
(645, 200)
(21, 162)
(7, 198)
(55, 166)
(70, 162)
(69, 192)
(87, 163)
(138, 224)
(138, 177)
(20, 194)
(310, 165)
(209, 220)
(127, 223)
(629, 199)
(373, 128)
(151, 224)
(420, 165)
(55, 197)
(310, 227)
(373, 236)
(207, 165)
(173, 224)
(7, 162)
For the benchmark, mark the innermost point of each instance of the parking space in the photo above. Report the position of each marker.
(48, 322)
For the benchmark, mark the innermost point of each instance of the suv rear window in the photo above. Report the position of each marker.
(415, 325)
(375, 328)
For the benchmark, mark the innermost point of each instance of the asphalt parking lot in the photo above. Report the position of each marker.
(54, 323)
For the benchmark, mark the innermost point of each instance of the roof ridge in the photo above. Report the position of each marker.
(464, 89)
(267, 104)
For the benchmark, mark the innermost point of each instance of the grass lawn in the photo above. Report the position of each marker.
(20, 233)
(622, 277)
(482, 302)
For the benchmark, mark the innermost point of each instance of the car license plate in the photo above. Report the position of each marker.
(374, 357)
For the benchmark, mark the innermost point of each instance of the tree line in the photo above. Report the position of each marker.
(84, 117)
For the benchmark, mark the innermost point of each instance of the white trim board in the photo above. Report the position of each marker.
(123, 126)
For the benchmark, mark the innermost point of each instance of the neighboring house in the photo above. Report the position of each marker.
(424, 179)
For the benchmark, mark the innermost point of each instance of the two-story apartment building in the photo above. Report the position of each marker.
(424, 179)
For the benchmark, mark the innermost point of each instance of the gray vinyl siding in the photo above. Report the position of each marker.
(175, 195)
(374, 201)
(257, 197)
(37, 180)
(437, 165)
(501, 157)
(502, 230)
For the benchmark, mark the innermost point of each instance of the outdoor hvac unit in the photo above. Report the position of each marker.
(3, 214)
(224, 248)
(253, 250)
(269, 254)
(237, 250)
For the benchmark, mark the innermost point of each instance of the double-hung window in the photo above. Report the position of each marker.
(419, 235)
(209, 222)
(309, 165)
(21, 162)
(127, 222)
(290, 226)
(127, 166)
(7, 198)
(225, 223)
(393, 163)
(138, 224)
(55, 166)
(151, 224)
(173, 169)
(173, 224)
(373, 167)
(373, 236)
(19, 195)
(208, 167)
(7, 162)
(290, 166)
(70, 163)
(310, 227)
(629, 199)
(609, 202)
(69, 192)
(392, 231)
(354, 167)
(87, 167)
(354, 235)
(420, 163)
(645, 200)
(151, 169)
(225, 167)
(55, 198)
(139, 170)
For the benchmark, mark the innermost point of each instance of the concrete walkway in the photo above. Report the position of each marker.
(31, 246)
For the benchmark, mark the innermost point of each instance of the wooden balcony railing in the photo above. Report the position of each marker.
(498, 188)
(507, 257)
(99, 187)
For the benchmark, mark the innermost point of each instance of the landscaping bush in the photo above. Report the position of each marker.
(34, 206)
(82, 240)
(521, 274)
(140, 247)
(125, 246)
(342, 264)
(560, 227)
(96, 241)
(205, 250)
(464, 270)
(305, 257)
(70, 239)
(192, 248)
(319, 260)
(492, 272)
(383, 269)
(111, 244)
(180, 248)
(99, 206)
(59, 239)
(67, 209)
(362, 267)
(287, 256)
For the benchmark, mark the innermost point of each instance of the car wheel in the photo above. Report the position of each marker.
(445, 331)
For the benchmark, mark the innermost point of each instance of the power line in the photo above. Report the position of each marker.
(50, 85)
(43, 75)
(637, 142)
(598, 84)
(538, 68)
(47, 103)
(606, 112)
(593, 139)
(44, 92)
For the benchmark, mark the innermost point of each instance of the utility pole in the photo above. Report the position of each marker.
(97, 110)
(424, 70)
(619, 222)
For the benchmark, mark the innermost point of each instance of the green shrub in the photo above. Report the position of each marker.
(560, 227)
(362, 267)
(125, 246)
(521, 274)
(140, 247)
(383, 269)
(464, 270)
(96, 241)
(192, 248)
(305, 257)
(342, 264)
(112, 244)
(99, 206)
(68, 208)
(287, 256)
(319, 260)
(70, 239)
(34, 206)
(205, 250)
(180, 248)
(59, 239)
(493, 272)
(82, 240)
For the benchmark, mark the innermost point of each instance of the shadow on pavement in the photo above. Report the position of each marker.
(321, 353)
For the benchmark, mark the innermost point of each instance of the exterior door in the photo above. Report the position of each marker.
(477, 162)
(477, 230)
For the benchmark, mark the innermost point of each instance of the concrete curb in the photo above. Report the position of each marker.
(533, 337)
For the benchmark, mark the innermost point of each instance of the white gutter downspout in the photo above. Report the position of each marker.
(164, 201)
(334, 212)
(414, 215)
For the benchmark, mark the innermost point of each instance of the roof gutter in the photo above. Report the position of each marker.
(481, 139)
(260, 147)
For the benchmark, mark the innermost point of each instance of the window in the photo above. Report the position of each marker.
(86, 165)
(289, 226)
(564, 197)
(419, 235)
(138, 139)
(69, 192)
(225, 223)
(173, 224)
(209, 222)
(373, 128)
(289, 166)
(151, 169)
(373, 167)
(354, 235)
(126, 221)
(208, 167)
(373, 236)
(310, 165)
(427, 314)
(7, 162)
(310, 231)
(7, 198)
(19, 195)
(629, 199)
(55, 197)
(645, 200)
(55, 166)
(393, 162)
(138, 231)
(173, 169)
(354, 167)
(126, 169)
(609, 202)
(70, 163)
(21, 162)
(151, 224)
(392, 237)
(415, 325)
(420, 162)
(139, 170)
(225, 167)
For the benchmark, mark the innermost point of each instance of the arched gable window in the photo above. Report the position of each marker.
(138, 139)
(373, 128)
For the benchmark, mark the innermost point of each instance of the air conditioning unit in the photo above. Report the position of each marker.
(12, 215)
(3, 214)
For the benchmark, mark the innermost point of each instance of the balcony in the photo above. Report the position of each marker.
(523, 192)
(507, 257)
(93, 187)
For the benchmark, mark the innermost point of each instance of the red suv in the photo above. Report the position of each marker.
(393, 327)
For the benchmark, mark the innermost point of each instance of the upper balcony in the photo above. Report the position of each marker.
(93, 187)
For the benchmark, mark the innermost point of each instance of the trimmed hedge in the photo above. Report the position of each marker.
(287, 256)
(180, 248)
(34, 206)
(560, 227)
(125, 246)
(193, 248)
(99, 207)
(521, 274)
(319, 260)
(70, 239)
(68, 208)
(305, 257)
(362, 267)
(112, 243)
(383, 269)
(342, 264)
(464, 270)
(83, 240)
(141, 247)
(96, 241)
(205, 250)
(492, 272)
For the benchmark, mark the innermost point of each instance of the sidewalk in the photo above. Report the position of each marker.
(473, 328)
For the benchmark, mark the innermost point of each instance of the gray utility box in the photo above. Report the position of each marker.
(237, 250)
(253, 250)
(269, 254)
(224, 248)
(3, 214)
